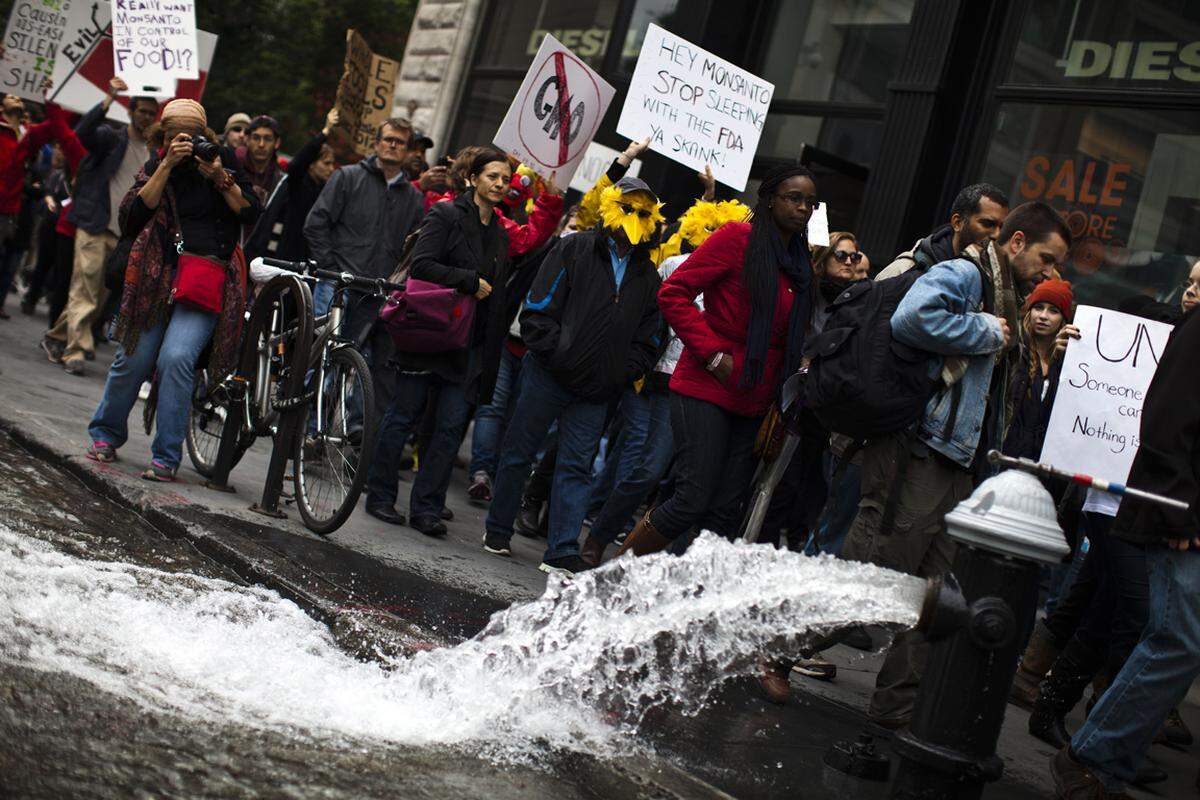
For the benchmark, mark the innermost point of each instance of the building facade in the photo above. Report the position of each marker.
(1090, 105)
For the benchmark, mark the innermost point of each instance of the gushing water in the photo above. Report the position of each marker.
(577, 668)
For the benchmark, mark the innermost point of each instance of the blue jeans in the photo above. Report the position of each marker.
(652, 462)
(490, 419)
(428, 495)
(172, 348)
(840, 507)
(1156, 676)
(625, 452)
(580, 422)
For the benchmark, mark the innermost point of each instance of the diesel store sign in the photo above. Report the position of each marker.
(1141, 61)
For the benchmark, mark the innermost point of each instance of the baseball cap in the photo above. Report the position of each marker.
(240, 118)
(629, 185)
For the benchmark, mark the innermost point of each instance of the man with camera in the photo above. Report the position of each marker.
(114, 157)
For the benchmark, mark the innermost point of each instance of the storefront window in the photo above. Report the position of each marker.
(1150, 44)
(680, 18)
(1127, 182)
(516, 29)
(837, 50)
(479, 119)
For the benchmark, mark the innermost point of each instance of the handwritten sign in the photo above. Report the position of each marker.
(596, 161)
(698, 109)
(377, 102)
(351, 92)
(154, 44)
(1097, 412)
(556, 113)
(31, 43)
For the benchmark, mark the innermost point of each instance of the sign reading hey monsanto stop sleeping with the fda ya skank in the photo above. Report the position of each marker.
(556, 113)
(697, 108)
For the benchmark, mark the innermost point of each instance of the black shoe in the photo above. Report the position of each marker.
(566, 566)
(386, 514)
(1176, 731)
(428, 525)
(1149, 773)
(1061, 690)
(447, 514)
(496, 544)
(529, 518)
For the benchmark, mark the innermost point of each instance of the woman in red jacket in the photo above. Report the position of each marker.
(755, 280)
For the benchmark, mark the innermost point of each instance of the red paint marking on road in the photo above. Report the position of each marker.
(564, 110)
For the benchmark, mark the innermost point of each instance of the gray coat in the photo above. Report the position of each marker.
(359, 223)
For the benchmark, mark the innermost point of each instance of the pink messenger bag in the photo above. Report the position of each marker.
(429, 318)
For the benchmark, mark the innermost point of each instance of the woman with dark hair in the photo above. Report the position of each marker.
(184, 214)
(462, 244)
(755, 279)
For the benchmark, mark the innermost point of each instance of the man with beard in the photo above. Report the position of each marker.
(975, 218)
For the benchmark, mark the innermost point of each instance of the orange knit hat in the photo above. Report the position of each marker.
(1055, 292)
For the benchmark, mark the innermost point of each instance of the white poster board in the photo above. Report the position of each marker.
(596, 161)
(555, 114)
(154, 45)
(697, 108)
(1097, 413)
(31, 43)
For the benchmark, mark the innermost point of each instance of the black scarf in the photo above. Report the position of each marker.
(794, 263)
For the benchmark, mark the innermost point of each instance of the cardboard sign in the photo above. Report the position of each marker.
(155, 44)
(556, 113)
(31, 43)
(697, 108)
(1097, 412)
(351, 92)
(377, 102)
(596, 161)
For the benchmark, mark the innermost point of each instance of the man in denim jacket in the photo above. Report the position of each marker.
(963, 310)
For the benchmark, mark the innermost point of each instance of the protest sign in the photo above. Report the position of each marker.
(556, 113)
(352, 92)
(31, 43)
(595, 162)
(698, 109)
(155, 44)
(1097, 412)
(377, 102)
(818, 226)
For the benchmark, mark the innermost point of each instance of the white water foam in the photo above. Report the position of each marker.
(576, 668)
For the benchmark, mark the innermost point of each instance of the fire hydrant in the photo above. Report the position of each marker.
(1005, 530)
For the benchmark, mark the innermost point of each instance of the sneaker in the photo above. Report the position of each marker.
(144, 391)
(566, 566)
(53, 349)
(157, 471)
(496, 544)
(480, 490)
(73, 366)
(1073, 781)
(102, 452)
(529, 518)
(815, 667)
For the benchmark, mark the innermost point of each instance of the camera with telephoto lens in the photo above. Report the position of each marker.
(204, 149)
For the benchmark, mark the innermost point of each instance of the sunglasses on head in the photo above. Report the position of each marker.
(644, 213)
(845, 256)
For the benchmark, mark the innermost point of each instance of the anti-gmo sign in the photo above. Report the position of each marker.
(556, 112)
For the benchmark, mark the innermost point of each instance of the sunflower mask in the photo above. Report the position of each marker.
(699, 222)
(634, 213)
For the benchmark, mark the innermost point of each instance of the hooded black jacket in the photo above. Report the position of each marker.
(594, 339)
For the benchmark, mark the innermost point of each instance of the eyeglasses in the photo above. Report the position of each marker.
(394, 141)
(644, 213)
(237, 129)
(798, 199)
(847, 257)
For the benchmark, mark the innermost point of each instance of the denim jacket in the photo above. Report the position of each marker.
(941, 314)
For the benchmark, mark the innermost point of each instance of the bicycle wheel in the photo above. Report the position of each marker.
(331, 463)
(206, 418)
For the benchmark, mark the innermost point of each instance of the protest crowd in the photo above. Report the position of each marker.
(621, 378)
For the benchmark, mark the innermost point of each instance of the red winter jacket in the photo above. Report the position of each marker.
(715, 270)
(14, 153)
(547, 210)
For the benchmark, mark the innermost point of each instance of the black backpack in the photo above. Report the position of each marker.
(862, 382)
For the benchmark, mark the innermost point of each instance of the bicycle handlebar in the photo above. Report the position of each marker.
(309, 269)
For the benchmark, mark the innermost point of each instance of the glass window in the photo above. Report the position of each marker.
(1127, 182)
(486, 100)
(681, 19)
(517, 27)
(837, 50)
(1150, 44)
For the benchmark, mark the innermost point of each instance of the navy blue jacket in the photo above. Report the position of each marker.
(106, 147)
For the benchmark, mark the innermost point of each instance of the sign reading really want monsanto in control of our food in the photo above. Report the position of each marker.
(697, 108)
(556, 113)
(1097, 411)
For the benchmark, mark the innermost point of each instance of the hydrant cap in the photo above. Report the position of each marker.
(1011, 514)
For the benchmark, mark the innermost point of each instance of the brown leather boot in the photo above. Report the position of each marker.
(773, 680)
(1035, 663)
(592, 550)
(644, 539)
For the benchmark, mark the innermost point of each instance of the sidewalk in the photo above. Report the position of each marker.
(444, 590)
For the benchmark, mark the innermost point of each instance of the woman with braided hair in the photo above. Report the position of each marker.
(755, 279)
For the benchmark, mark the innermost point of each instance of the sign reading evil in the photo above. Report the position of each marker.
(154, 44)
(1097, 411)
(556, 113)
(697, 108)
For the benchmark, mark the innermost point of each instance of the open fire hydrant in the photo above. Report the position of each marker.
(1005, 530)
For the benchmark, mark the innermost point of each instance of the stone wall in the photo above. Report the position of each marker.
(439, 50)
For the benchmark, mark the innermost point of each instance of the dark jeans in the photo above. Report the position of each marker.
(1120, 605)
(542, 401)
(408, 404)
(652, 463)
(491, 419)
(625, 451)
(714, 463)
(841, 506)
